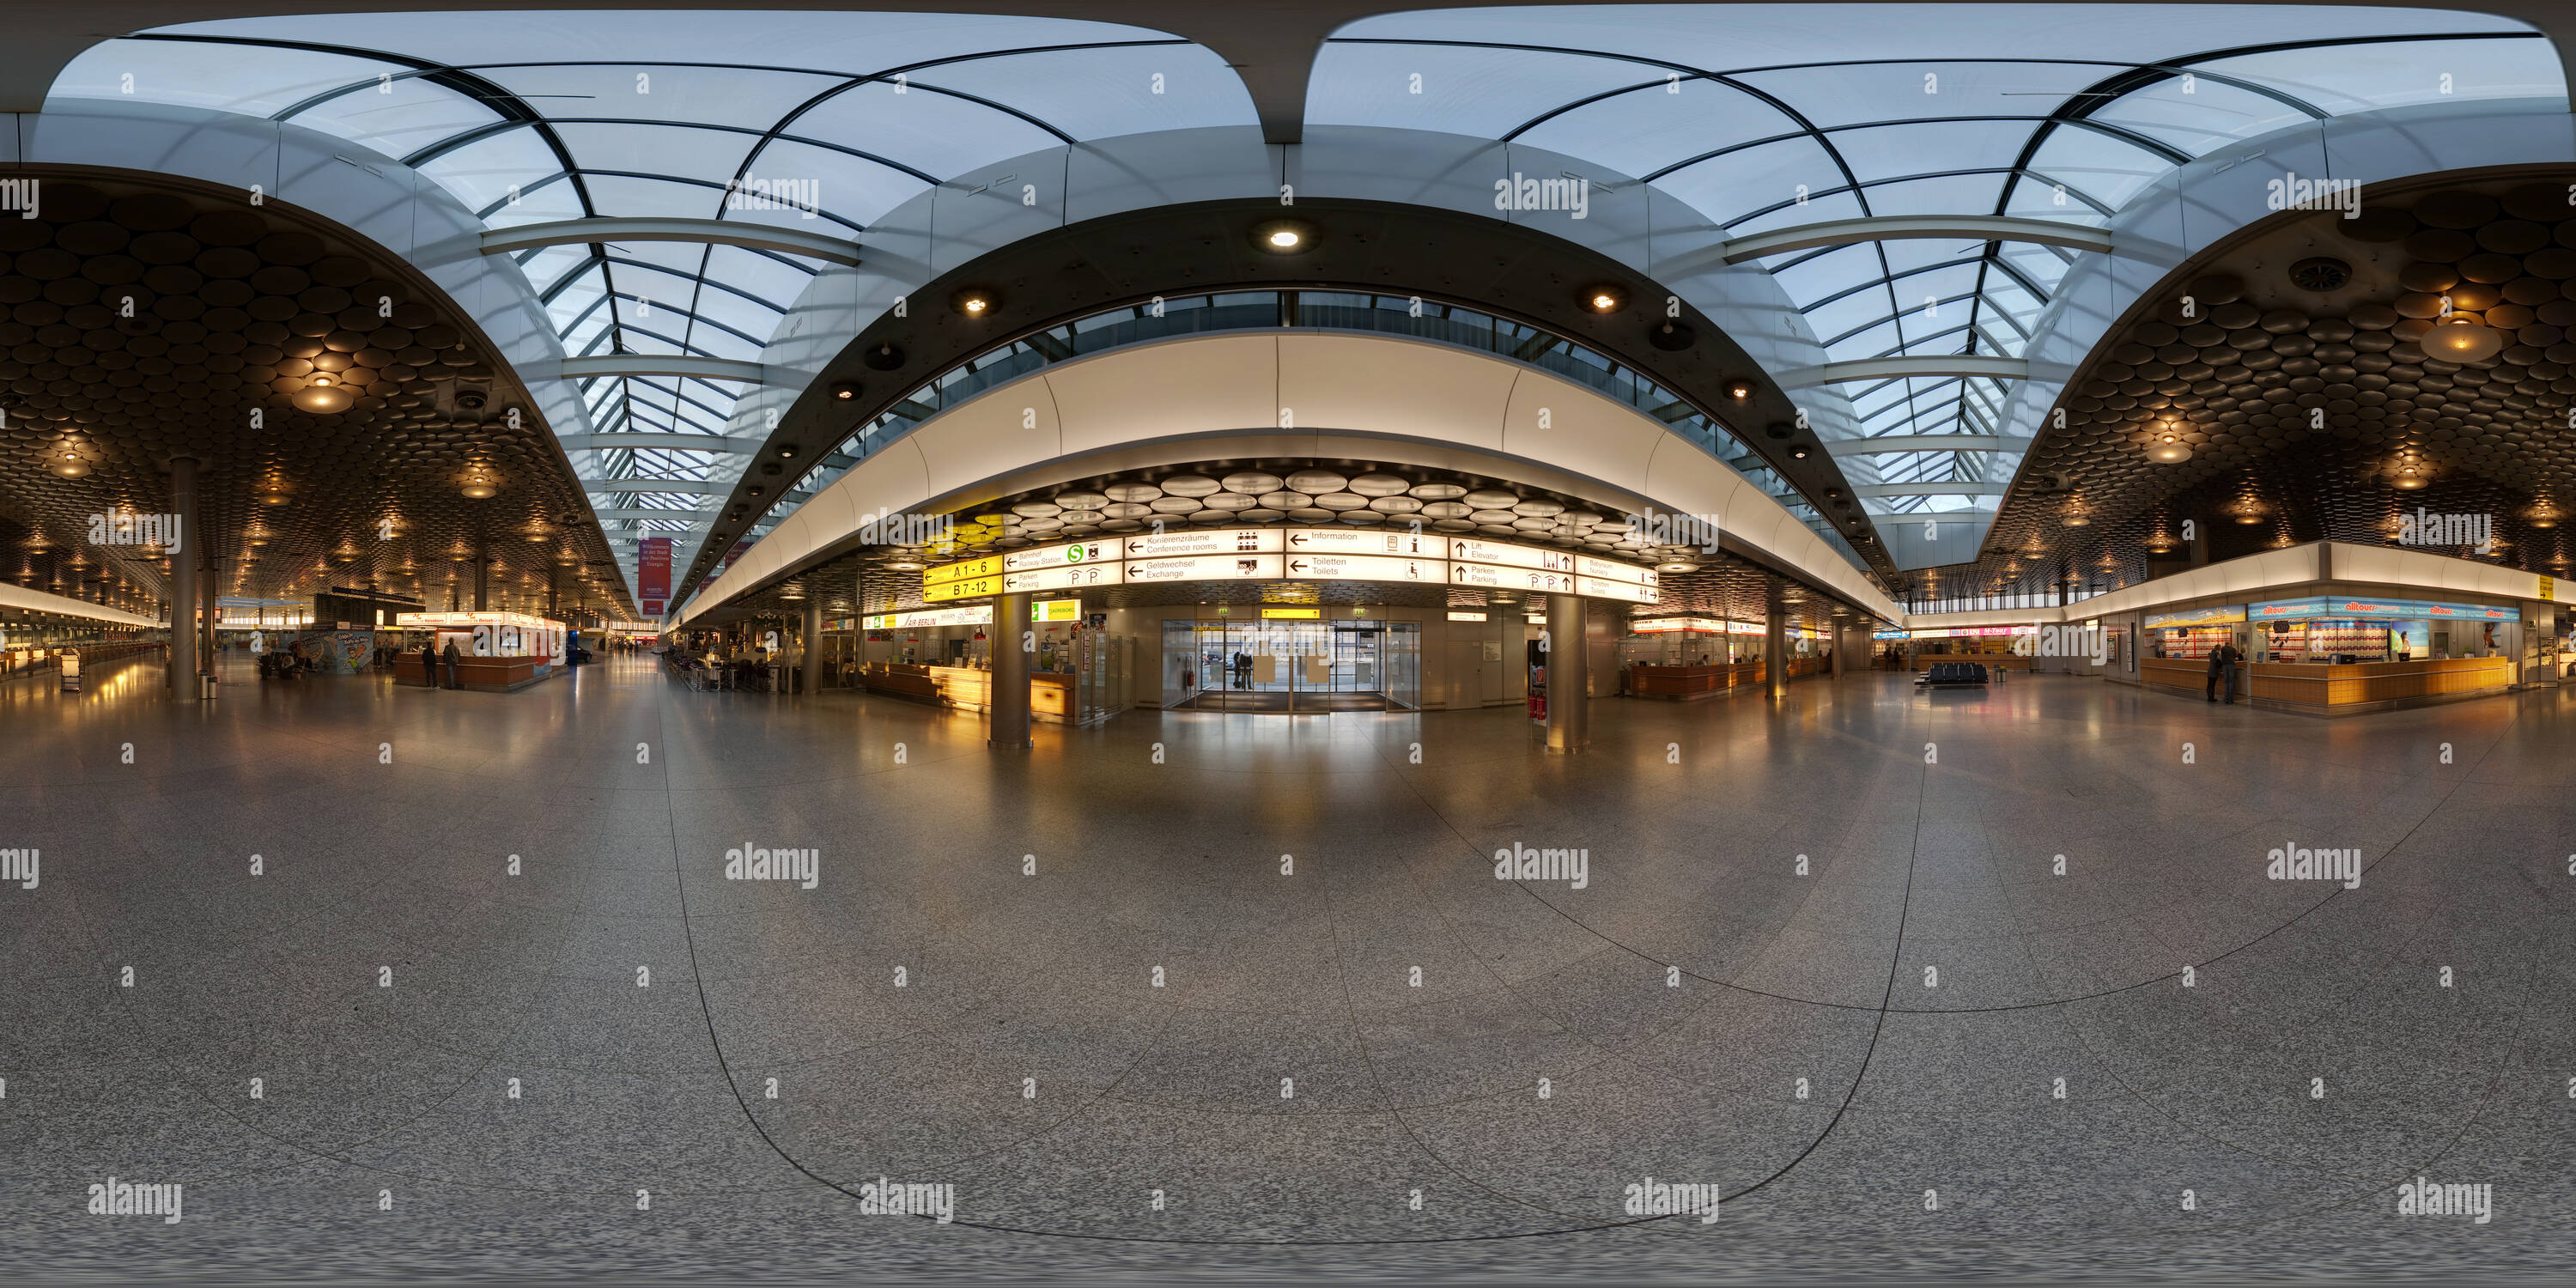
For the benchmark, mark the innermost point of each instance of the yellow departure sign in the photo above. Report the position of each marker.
(988, 566)
(962, 588)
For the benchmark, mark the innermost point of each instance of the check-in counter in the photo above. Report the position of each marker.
(968, 688)
(2325, 685)
(2190, 673)
(1690, 683)
(480, 674)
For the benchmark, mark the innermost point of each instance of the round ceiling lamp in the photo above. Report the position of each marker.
(68, 464)
(2408, 477)
(1283, 236)
(2461, 340)
(325, 396)
(1604, 299)
(2168, 449)
(480, 485)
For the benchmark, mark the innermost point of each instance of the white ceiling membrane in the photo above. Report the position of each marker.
(828, 120)
(1776, 116)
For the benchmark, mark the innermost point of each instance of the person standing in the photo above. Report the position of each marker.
(428, 665)
(2222, 671)
(452, 655)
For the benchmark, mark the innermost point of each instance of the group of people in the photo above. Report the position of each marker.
(430, 657)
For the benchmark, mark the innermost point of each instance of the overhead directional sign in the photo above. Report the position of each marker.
(1604, 588)
(1204, 568)
(962, 588)
(1386, 555)
(1200, 541)
(1080, 576)
(1071, 552)
(1361, 541)
(988, 566)
(1307, 567)
(1493, 577)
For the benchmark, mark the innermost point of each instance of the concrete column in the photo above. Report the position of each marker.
(209, 582)
(1775, 652)
(482, 580)
(813, 645)
(1840, 639)
(1011, 667)
(182, 670)
(1568, 707)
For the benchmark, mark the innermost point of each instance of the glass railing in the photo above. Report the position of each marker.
(1346, 311)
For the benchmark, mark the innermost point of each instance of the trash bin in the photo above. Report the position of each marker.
(205, 686)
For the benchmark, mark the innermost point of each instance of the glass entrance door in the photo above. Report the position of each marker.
(1301, 667)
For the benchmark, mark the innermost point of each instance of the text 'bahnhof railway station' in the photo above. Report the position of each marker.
(1903, 641)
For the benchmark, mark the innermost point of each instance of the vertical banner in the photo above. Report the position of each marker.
(653, 574)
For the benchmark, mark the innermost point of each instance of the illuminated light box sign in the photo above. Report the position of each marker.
(1457, 616)
(2220, 615)
(1222, 541)
(1889, 635)
(1293, 614)
(1668, 625)
(1203, 568)
(2292, 610)
(1292, 554)
(1361, 541)
(1071, 552)
(1044, 610)
(988, 566)
(962, 588)
(1077, 576)
(1314, 567)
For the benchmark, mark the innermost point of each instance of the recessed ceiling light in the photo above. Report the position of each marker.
(1604, 299)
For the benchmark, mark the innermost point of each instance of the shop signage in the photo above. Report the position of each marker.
(2218, 616)
(1456, 616)
(2290, 610)
(1667, 625)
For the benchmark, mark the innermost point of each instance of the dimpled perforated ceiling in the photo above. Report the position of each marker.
(2291, 364)
(138, 324)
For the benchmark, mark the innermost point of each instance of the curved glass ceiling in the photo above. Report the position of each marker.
(536, 117)
(1759, 116)
(1772, 116)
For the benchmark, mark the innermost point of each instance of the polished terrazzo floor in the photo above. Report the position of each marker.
(932, 1012)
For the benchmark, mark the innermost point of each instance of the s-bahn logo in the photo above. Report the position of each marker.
(1573, 193)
